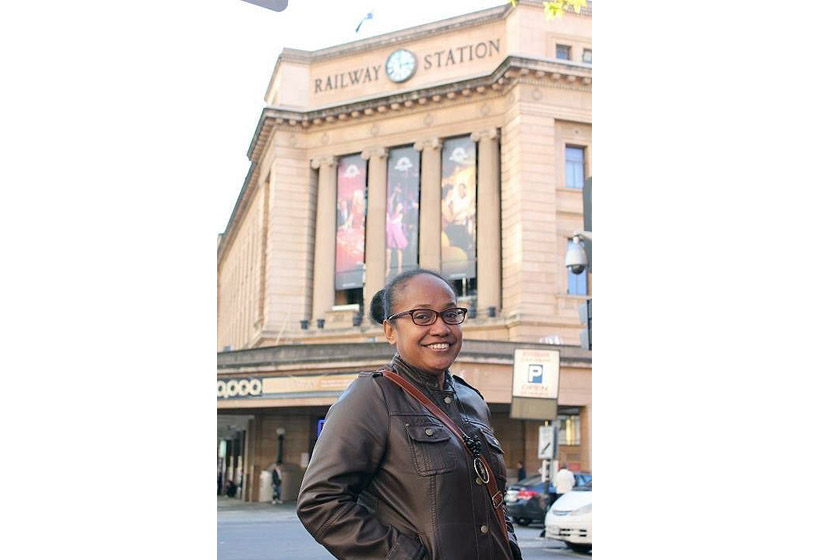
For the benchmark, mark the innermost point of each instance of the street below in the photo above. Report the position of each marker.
(262, 531)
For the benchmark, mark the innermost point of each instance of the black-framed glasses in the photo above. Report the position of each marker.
(426, 317)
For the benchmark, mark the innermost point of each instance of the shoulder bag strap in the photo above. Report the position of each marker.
(482, 469)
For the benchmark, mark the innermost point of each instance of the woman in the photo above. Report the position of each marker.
(388, 480)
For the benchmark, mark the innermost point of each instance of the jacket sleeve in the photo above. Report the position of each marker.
(512, 540)
(345, 459)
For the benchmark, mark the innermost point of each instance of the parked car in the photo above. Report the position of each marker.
(569, 519)
(526, 499)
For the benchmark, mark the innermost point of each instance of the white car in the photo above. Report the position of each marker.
(569, 519)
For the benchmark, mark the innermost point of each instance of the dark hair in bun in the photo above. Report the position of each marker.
(383, 301)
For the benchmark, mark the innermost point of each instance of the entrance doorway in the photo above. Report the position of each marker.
(230, 456)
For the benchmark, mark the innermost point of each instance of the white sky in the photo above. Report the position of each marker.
(123, 133)
(254, 36)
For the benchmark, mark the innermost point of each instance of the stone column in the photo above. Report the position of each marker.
(489, 222)
(323, 278)
(429, 203)
(375, 222)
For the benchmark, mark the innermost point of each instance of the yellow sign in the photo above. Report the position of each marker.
(308, 383)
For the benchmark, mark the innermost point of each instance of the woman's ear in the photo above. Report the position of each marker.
(390, 333)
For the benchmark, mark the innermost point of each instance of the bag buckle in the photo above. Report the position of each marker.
(501, 498)
(480, 470)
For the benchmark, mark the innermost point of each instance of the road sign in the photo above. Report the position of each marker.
(547, 443)
(536, 373)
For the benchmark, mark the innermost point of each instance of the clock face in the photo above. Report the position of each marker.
(400, 65)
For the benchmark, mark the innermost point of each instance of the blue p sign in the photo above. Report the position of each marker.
(535, 373)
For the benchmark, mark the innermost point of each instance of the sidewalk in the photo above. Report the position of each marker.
(223, 503)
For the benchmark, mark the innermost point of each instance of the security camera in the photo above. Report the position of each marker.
(576, 256)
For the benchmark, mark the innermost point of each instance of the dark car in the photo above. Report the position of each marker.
(526, 500)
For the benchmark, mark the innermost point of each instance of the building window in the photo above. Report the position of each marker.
(576, 284)
(569, 429)
(574, 167)
(464, 287)
(349, 297)
(564, 52)
(587, 56)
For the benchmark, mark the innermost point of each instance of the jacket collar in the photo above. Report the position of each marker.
(420, 377)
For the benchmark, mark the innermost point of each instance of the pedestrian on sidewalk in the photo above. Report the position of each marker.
(520, 471)
(276, 482)
(407, 458)
(564, 480)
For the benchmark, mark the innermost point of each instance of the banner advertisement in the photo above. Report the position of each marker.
(402, 211)
(351, 210)
(458, 173)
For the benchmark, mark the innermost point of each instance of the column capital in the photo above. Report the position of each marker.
(433, 143)
(377, 151)
(489, 134)
(323, 161)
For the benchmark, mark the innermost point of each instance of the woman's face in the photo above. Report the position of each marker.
(434, 347)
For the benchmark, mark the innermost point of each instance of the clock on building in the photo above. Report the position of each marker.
(401, 65)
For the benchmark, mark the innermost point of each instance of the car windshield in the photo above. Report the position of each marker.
(585, 488)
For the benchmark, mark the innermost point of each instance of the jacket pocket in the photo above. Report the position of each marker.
(431, 448)
(407, 548)
(495, 453)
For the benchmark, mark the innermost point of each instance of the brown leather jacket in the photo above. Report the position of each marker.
(388, 481)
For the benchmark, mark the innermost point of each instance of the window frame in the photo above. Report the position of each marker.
(582, 149)
(568, 51)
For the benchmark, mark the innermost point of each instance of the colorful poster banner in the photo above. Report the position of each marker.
(351, 209)
(402, 211)
(458, 171)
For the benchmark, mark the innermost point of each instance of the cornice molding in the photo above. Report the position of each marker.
(512, 68)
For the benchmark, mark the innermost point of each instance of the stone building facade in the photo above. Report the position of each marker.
(461, 146)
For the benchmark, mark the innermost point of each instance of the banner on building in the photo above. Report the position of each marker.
(351, 210)
(402, 211)
(458, 172)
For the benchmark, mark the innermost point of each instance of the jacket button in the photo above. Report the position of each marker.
(447, 400)
(484, 529)
(429, 431)
(478, 481)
